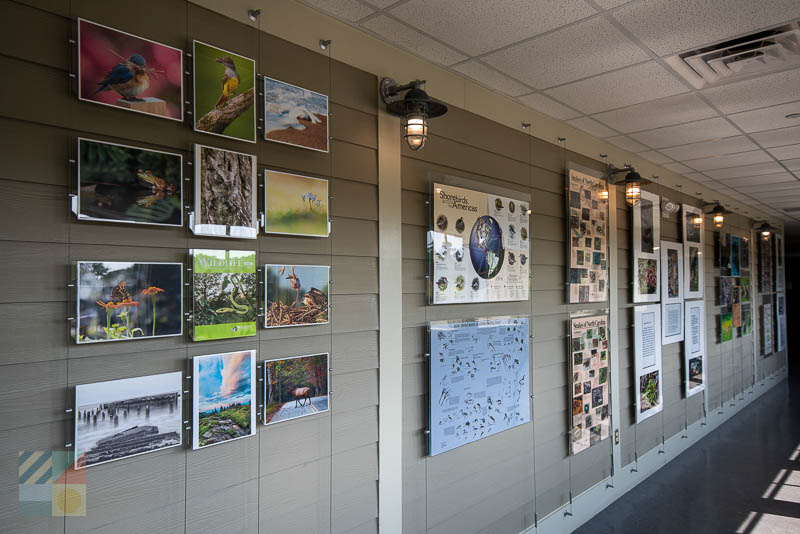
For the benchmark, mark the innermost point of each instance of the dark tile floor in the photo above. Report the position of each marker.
(742, 478)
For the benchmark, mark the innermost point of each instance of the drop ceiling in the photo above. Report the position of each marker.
(600, 65)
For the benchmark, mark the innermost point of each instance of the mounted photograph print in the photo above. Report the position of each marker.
(224, 93)
(123, 418)
(121, 301)
(736, 308)
(296, 295)
(735, 250)
(224, 294)
(225, 185)
(779, 269)
(119, 69)
(766, 326)
(590, 357)
(224, 397)
(694, 348)
(588, 235)
(693, 229)
(649, 372)
(479, 379)
(125, 184)
(295, 116)
(296, 205)
(478, 247)
(747, 320)
(725, 327)
(295, 387)
(646, 237)
(671, 292)
(726, 290)
(765, 266)
(780, 322)
(745, 257)
(746, 289)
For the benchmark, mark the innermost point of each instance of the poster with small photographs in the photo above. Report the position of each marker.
(590, 356)
(587, 245)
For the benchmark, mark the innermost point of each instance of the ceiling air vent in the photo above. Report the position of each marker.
(753, 54)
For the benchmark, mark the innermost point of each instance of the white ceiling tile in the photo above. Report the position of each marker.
(479, 26)
(746, 170)
(731, 160)
(786, 152)
(773, 138)
(591, 127)
(608, 4)
(727, 145)
(625, 87)
(547, 105)
(777, 196)
(771, 118)
(769, 188)
(769, 90)
(677, 167)
(698, 177)
(759, 180)
(658, 113)
(792, 164)
(349, 10)
(656, 157)
(584, 49)
(381, 4)
(490, 77)
(626, 143)
(669, 26)
(409, 38)
(690, 132)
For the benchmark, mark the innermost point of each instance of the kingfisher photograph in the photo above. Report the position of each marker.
(119, 69)
(295, 116)
(224, 92)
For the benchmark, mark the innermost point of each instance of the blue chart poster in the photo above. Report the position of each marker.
(478, 380)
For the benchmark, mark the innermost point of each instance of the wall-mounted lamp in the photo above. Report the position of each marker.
(633, 182)
(717, 212)
(765, 229)
(603, 194)
(697, 221)
(416, 107)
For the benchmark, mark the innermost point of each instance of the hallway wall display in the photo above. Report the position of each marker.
(747, 320)
(123, 418)
(122, 301)
(766, 327)
(295, 116)
(225, 203)
(780, 322)
(726, 290)
(480, 247)
(224, 397)
(725, 326)
(296, 205)
(736, 308)
(591, 419)
(735, 250)
(722, 254)
(765, 266)
(646, 236)
(693, 265)
(744, 258)
(296, 295)
(224, 93)
(479, 382)
(126, 184)
(694, 347)
(588, 236)
(745, 289)
(119, 69)
(779, 271)
(295, 387)
(649, 375)
(671, 292)
(224, 294)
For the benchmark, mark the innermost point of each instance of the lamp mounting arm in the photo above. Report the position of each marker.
(390, 89)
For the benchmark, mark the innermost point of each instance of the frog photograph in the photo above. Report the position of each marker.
(296, 295)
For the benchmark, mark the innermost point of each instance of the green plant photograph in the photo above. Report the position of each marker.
(296, 205)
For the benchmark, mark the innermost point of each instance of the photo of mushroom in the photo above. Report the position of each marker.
(296, 295)
(295, 116)
(295, 387)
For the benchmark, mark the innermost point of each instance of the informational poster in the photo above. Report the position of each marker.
(479, 379)
(671, 292)
(480, 247)
(646, 237)
(765, 266)
(647, 340)
(779, 269)
(766, 329)
(590, 356)
(780, 321)
(694, 347)
(693, 221)
(588, 237)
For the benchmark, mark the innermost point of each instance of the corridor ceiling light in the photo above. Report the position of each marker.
(416, 107)
(604, 194)
(697, 221)
(718, 213)
(633, 182)
(766, 230)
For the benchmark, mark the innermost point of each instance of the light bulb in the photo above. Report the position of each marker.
(416, 131)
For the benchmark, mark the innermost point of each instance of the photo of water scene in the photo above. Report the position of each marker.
(295, 116)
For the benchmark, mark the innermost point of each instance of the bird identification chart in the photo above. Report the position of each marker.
(588, 220)
(479, 382)
(591, 419)
(480, 250)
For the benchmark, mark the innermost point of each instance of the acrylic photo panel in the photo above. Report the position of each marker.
(225, 186)
(646, 237)
(224, 294)
(123, 301)
(296, 295)
(779, 268)
(295, 387)
(766, 326)
(296, 205)
(693, 248)
(648, 386)
(725, 327)
(671, 292)
(224, 93)
(735, 252)
(295, 116)
(128, 417)
(694, 347)
(122, 70)
(224, 397)
(126, 184)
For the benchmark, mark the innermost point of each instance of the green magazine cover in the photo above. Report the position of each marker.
(224, 294)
